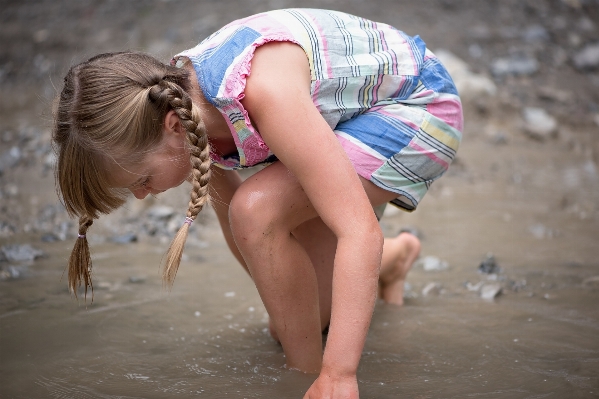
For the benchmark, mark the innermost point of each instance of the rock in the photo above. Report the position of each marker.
(490, 291)
(50, 237)
(553, 94)
(160, 212)
(432, 263)
(124, 238)
(431, 289)
(20, 253)
(516, 65)
(535, 33)
(587, 58)
(539, 124)
(137, 279)
(469, 84)
(9, 273)
(540, 231)
(10, 158)
(11, 190)
(6, 229)
(517, 286)
(103, 285)
(474, 287)
(489, 265)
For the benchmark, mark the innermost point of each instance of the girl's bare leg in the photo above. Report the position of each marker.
(263, 213)
(289, 253)
(399, 254)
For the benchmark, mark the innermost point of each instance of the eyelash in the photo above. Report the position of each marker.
(143, 183)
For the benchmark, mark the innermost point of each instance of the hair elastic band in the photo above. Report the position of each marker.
(188, 220)
(81, 235)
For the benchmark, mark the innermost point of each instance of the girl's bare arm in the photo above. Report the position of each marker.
(279, 102)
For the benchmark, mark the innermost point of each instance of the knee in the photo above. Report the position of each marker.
(250, 214)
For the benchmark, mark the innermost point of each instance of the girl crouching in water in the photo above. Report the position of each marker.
(349, 115)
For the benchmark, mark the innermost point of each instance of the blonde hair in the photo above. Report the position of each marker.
(112, 107)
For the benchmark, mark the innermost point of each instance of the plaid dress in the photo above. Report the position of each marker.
(390, 102)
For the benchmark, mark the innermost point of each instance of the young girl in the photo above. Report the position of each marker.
(349, 114)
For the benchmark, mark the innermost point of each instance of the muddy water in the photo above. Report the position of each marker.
(531, 206)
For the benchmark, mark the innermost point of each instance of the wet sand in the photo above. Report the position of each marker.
(532, 203)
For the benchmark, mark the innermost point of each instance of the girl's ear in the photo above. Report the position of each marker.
(172, 124)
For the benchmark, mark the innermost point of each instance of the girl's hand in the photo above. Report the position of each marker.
(329, 387)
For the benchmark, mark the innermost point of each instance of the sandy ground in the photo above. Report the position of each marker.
(529, 197)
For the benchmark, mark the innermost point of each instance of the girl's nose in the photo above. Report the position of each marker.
(140, 193)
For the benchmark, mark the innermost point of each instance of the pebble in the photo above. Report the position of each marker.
(10, 273)
(432, 263)
(517, 65)
(137, 279)
(431, 289)
(539, 124)
(20, 253)
(517, 286)
(490, 291)
(124, 238)
(474, 287)
(489, 265)
(540, 231)
(587, 58)
(160, 212)
(10, 158)
(535, 33)
(470, 85)
(6, 229)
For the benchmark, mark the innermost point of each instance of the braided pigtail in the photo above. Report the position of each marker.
(197, 139)
(80, 263)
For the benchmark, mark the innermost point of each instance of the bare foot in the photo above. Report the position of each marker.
(399, 254)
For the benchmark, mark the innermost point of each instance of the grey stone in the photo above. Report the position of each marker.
(474, 287)
(6, 230)
(535, 33)
(160, 212)
(431, 289)
(516, 65)
(470, 85)
(124, 238)
(489, 265)
(20, 253)
(490, 291)
(10, 158)
(540, 231)
(432, 263)
(10, 273)
(137, 279)
(538, 123)
(588, 57)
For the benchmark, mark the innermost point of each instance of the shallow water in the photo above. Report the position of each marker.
(208, 337)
